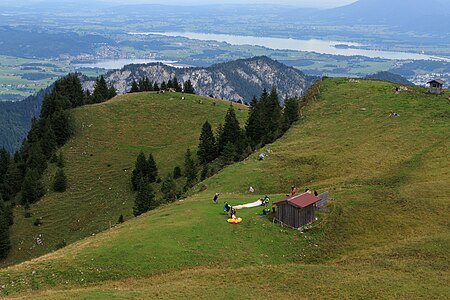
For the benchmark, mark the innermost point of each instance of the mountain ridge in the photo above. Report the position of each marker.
(237, 80)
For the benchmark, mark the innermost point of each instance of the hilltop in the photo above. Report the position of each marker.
(99, 161)
(386, 235)
(235, 81)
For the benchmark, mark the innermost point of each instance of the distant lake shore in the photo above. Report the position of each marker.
(312, 45)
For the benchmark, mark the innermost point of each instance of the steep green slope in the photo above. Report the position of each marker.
(386, 235)
(99, 161)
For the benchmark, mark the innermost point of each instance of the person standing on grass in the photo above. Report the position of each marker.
(293, 190)
(216, 198)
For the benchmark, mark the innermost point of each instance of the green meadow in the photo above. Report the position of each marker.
(386, 234)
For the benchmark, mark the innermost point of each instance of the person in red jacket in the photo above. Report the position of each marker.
(293, 190)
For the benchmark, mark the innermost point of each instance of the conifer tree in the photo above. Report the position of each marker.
(134, 87)
(155, 87)
(273, 117)
(169, 84)
(101, 91)
(207, 148)
(176, 172)
(169, 188)
(5, 243)
(190, 169)
(5, 160)
(204, 173)
(152, 169)
(254, 127)
(163, 86)
(176, 85)
(291, 112)
(112, 92)
(37, 160)
(61, 126)
(231, 132)
(145, 199)
(188, 87)
(60, 181)
(140, 171)
(13, 181)
(229, 154)
(48, 140)
(32, 189)
(88, 97)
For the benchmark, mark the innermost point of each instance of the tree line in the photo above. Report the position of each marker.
(21, 174)
(145, 85)
(266, 122)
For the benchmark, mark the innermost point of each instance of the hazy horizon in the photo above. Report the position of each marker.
(299, 3)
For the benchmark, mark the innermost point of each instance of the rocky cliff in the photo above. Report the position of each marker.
(233, 81)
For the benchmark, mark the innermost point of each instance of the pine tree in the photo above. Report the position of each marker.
(291, 112)
(231, 131)
(71, 86)
(229, 154)
(37, 160)
(156, 87)
(134, 87)
(140, 171)
(176, 172)
(60, 181)
(207, 147)
(169, 188)
(5, 243)
(176, 85)
(5, 160)
(190, 169)
(163, 86)
(145, 199)
(254, 127)
(112, 92)
(273, 117)
(188, 87)
(61, 126)
(101, 91)
(32, 189)
(48, 141)
(169, 84)
(152, 169)
(204, 173)
(13, 181)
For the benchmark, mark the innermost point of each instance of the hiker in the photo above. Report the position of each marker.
(261, 156)
(226, 207)
(273, 207)
(307, 191)
(232, 213)
(315, 193)
(216, 198)
(266, 200)
(293, 190)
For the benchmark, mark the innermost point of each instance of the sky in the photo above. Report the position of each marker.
(301, 3)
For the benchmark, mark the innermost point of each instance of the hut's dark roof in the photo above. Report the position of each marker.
(437, 81)
(302, 200)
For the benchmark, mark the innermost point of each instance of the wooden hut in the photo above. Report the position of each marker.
(296, 211)
(436, 86)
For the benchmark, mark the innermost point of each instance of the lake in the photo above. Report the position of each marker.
(312, 45)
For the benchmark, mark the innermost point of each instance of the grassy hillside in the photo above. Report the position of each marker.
(99, 161)
(386, 236)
